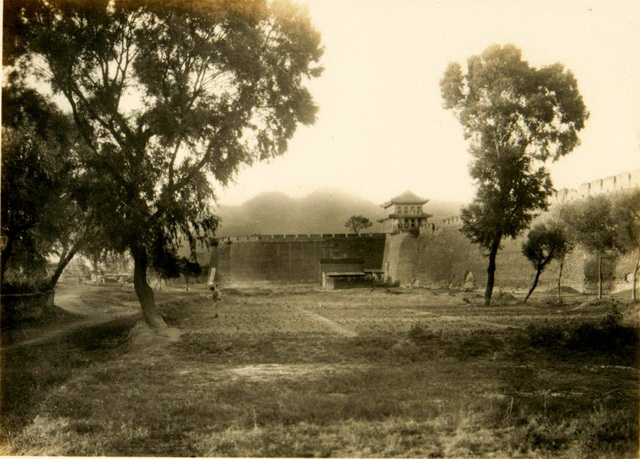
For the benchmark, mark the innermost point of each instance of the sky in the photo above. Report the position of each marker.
(381, 128)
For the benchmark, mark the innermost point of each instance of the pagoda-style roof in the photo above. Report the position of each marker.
(405, 198)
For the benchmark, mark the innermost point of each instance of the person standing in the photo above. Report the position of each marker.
(215, 293)
(215, 297)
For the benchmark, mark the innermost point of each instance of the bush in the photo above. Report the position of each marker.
(419, 334)
(608, 335)
(16, 287)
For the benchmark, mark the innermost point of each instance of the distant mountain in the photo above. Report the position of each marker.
(323, 211)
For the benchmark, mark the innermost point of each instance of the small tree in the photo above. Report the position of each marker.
(516, 117)
(543, 244)
(626, 215)
(44, 212)
(592, 225)
(357, 223)
(188, 269)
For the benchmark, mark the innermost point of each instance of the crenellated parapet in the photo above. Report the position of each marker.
(611, 184)
(451, 222)
(297, 237)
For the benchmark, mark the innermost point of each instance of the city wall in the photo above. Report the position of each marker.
(611, 184)
(441, 257)
(291, 258)
(446, 259)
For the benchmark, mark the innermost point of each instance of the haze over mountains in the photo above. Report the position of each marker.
(323, 211)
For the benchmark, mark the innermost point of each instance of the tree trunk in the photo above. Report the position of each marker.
(560, 274)
(634, 296)
(599, 277)
(144, 290)
(533, 287)
(491, 269)
(186, 282)
(6, 254)
(64, 261)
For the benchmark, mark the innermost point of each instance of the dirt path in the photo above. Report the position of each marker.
(92, 306)
(333, 326)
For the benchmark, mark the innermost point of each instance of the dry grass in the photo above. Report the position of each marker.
(423, 374)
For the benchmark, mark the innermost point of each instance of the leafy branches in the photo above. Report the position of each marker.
(166, 95)
(516, 118)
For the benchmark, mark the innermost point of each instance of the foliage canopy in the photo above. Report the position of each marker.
(516, 117)
(42, 209)
(357, 223)
(169, 97)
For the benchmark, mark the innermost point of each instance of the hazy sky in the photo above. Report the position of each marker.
(381, 128)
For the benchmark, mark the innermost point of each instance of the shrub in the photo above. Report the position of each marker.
(607, 336)
(419, 334)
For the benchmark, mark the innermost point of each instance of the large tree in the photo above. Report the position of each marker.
(515, 117)
(170, 96)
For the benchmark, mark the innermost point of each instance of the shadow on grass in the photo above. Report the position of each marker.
(30, 371)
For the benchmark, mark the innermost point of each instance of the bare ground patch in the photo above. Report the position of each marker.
(333, 326)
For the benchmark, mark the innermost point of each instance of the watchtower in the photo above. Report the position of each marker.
(404, 213)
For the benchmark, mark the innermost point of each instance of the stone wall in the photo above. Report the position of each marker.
(291, 258)
(610, 184)
(446, 259)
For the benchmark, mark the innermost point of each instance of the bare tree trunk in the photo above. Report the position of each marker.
(533, 287)
(599, 277)
(64, 261)
(634, 296)
(560, 274)
(144, 290)
(491, 269)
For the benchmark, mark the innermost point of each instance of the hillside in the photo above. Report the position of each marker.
(323, 211)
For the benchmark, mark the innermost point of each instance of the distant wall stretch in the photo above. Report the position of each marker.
(446, 259)
(611, 184)
(291, 258)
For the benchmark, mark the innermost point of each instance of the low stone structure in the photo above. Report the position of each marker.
(344, 280)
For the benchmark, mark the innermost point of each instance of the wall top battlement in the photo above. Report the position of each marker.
(298, 237)
(452, 221)
(623, 181)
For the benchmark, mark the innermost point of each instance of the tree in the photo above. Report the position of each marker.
(516, 118)
(592, 225)
(626, 215)
(189, 269)
(168, 97)
(357, 223)
(42, 215)
(543, 244)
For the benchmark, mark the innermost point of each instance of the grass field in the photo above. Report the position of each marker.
(296, 371)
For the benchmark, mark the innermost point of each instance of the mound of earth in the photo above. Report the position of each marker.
(504, 298)
(563, 289)
(600, 304)
(143, 338)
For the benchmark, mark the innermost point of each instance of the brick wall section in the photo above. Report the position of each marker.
(610, 184)
(291, 258)
(445, 258)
